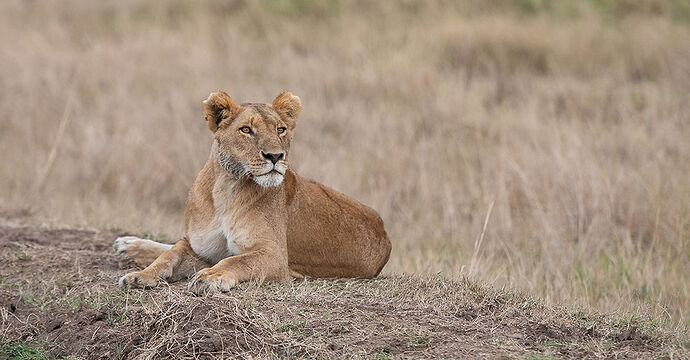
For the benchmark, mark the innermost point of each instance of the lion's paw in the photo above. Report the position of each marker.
(138, 279)
(124, 247)
(134, 251)
(208, 281)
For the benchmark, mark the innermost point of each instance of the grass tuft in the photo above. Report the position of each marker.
(21, 351)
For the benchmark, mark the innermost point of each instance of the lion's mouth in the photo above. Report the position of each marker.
(273, 171)
(268, 179)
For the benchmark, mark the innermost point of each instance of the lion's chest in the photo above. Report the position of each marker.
(216, 242)
(223, 235)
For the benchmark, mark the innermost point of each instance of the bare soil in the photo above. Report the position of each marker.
(59, 298)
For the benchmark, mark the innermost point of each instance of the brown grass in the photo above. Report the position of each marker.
(571, 120)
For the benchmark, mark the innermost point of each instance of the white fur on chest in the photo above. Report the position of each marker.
(220, 238)
(215, 243)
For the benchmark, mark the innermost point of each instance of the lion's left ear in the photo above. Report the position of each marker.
(288, 106)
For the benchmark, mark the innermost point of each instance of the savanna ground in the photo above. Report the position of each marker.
(58, 299)
(538, 145)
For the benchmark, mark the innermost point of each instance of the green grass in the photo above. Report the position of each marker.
(416, 340)
(21, 351)
(538, 357)
(114, 318)
(383, 355)
(23, 256)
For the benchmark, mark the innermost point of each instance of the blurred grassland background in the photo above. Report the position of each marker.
(571, 118)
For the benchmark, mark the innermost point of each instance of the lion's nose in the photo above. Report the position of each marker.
(273, 157)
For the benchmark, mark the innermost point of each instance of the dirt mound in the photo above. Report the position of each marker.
(59, 297)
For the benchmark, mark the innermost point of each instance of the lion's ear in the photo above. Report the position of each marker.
(288, 106)
(218, 107)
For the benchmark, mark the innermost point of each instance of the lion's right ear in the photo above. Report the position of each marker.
(218, 107)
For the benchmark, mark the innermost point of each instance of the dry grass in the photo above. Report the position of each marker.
(573, 121)
(58, 298)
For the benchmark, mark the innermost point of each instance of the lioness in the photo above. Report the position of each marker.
(249, 217)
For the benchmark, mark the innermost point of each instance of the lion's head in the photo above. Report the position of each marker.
(253, 140)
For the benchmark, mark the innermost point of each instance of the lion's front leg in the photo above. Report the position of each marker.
(172, 265)
(259, 265)
(132, 250)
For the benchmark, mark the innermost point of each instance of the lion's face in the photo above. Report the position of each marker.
(253, 140)
(254, 144)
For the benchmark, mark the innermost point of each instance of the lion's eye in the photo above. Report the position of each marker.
(246, 129)
(281, 130)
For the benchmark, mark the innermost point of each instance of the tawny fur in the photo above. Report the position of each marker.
(132, 250)
(248, 218)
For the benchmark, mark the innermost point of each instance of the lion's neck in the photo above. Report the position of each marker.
(228, 188)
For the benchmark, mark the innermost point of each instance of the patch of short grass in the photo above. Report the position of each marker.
(21, 351)
(23, 256)
(383, 355)
(538, 357)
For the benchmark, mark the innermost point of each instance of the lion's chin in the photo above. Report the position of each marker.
(273, 178)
